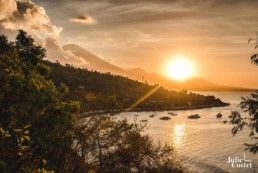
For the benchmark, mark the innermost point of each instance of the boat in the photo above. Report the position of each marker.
(194, 116)
(172, 113)
(165, 118)
(219, 115)
(152, 115)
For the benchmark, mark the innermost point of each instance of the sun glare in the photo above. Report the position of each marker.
(179, 69)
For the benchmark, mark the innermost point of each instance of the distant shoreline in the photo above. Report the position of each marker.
(229, 90)
(101, 112)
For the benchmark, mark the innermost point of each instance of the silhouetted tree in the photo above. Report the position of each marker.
(254, 59)
(36, 124)
(40, 130)
(249, 105)
(111, 147)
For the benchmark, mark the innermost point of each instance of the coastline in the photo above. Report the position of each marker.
(115, 111)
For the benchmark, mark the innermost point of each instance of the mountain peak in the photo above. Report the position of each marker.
(98, 64)
(95, 63)
(73, 46)
(75, 49)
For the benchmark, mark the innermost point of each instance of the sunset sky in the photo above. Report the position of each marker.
(148, 34)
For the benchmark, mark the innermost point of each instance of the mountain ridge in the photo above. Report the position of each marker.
(191, 84)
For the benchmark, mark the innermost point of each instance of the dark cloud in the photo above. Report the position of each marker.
(22, 6)
(82, 19)
(186, 3)
(157, 18)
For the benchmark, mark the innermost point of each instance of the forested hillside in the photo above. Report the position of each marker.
(104, 91)
(40, 130)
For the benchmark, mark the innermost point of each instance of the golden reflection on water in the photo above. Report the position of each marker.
(179, 133)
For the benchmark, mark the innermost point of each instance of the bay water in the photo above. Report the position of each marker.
(205, 144)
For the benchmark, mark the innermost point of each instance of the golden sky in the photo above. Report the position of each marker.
(212, 34)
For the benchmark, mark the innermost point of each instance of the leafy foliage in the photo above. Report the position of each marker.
(250, 106)
(254, 59)
(40, 130)
(33, 113)
(120, 147)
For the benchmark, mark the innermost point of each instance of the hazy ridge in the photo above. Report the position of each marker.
(191, 84)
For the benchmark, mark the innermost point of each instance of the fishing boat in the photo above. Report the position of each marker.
(165, 118)
(172, 113)
(219, 115)
(194, 116)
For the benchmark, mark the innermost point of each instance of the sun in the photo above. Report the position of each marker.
(179, 69)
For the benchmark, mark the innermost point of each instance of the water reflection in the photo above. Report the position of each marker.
(179, 133)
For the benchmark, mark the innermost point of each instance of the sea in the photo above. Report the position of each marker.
(204, 145)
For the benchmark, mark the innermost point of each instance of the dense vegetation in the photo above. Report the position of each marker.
(104, 91)
(249, 105)
(40, 130)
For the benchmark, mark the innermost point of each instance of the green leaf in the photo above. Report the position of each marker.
(27, 132)
(22, 139)
(44, 161)
(7, 135)
(27, 138)
(26, 127)
(2, 131)
(17, 130)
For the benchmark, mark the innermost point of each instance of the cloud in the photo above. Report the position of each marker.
(27, 16)
(7, 8)
(55, 52)
(142, 31)
(33, 19)
(82, 19)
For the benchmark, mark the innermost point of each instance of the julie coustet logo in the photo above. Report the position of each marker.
(239, 162)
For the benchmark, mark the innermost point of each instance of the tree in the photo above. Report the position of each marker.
(111, 147)
(40, 130)
(36, 124)
(254, 58)
(249, 105)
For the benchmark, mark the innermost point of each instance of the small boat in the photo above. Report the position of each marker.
(219, 115)
(172, 113)
(152, 115)
(165, 118)
(194, 116)
(144, 121)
